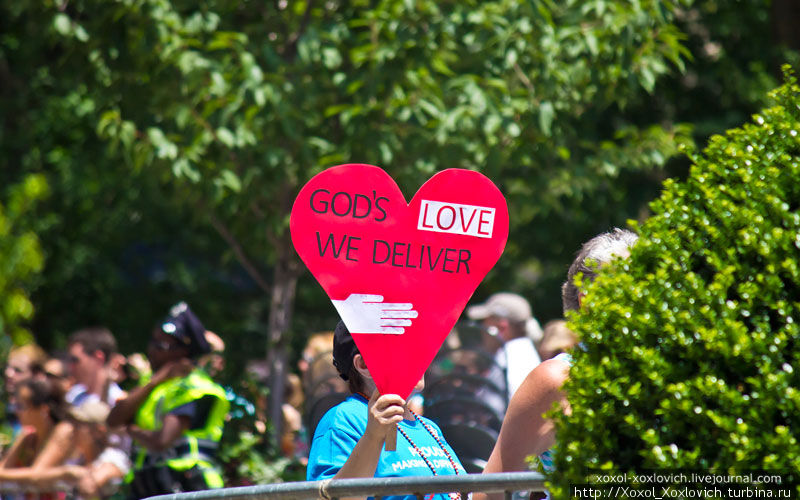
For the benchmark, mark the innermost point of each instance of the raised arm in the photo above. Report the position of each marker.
(525, 430)
(58, 447)
(125, 410)
(54, 453)
(44, 479)
(383, 413)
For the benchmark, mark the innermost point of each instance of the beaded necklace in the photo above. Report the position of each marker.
(435, 438)
(453, 496)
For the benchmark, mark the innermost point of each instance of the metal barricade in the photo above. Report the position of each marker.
(507, 482)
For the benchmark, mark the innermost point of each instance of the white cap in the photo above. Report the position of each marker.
(510, 306)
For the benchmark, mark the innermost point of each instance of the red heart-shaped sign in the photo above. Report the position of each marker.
(399, 274)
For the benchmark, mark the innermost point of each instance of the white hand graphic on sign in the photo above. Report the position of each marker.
(367, 313)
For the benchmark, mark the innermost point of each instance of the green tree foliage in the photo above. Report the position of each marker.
(735, 62)
(120, 244)
(521, 71)
(251, 103)
(692, 344)
(736, 49)
(21, 260)
(20, 257)
(174, 135)
(241, 103)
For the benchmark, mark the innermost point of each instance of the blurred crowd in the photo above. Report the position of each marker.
(83, 422)
(90, 422)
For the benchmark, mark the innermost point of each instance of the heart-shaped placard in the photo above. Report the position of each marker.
(398, 274)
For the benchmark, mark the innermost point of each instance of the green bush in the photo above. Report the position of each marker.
(21, 257)
(692, 356)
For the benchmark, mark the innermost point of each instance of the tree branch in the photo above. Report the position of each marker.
(523, 78)
(241, 256)
(291, 41)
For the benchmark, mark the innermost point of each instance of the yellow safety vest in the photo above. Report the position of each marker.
(196, 446)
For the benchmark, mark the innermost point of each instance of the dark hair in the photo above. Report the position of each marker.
(344, 351)
(355, 382)
(93, 339)
(44, 392)
(595, 252)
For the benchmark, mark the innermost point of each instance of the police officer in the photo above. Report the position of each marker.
(176, 418)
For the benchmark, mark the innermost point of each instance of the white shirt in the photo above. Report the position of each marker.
(78, 395)
(518, 356)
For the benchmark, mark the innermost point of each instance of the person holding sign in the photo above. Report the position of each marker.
(399, 274)
(349, 440)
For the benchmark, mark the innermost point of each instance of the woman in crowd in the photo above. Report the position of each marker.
(23, 362)
(73, 455)
(349, 440)
(45, 438)
(100, 460)
(44, 433)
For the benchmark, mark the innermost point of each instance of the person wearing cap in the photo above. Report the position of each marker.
(557, 338)
(508, 324)
(176, 418)
(349, 440)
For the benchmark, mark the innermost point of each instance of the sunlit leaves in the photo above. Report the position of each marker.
(270, 95)
(21, 257)
(692, 344)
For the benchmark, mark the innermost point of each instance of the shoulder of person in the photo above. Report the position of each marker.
(192, 380)
(63, 431)
(550, 374)
(520, 341)
(198, 378)
(25, 438)
(352, 410)
(26, 432)
(60, 443)
(114, 393)
(73, 392)
(522, 349)
(349, 416)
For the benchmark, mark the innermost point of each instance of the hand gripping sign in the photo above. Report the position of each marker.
(398, 274)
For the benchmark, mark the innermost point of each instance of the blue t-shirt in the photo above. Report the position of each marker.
(344, 424)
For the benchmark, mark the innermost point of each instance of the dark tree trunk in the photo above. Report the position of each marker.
(280, 316)
(786, 23)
